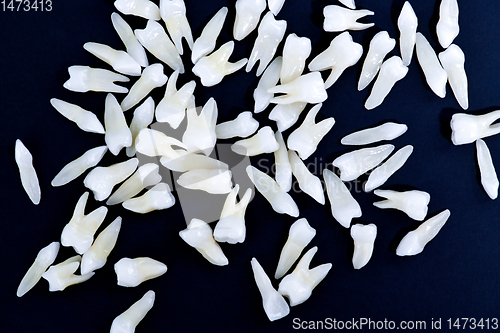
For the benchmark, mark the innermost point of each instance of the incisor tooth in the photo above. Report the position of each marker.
(364, 238)
(447, 27)
(435, 75)
(193, 161)
(143, 117)
(118, 134)
(412, 203)
(467, 128)
(157, 198)
(286, 115)
(133, 272)
(268, 80)
(75, 168)
(263, 142)
(308, 182)
(127, 321)
(134, 48)
(247, 17)
(205, 44)
(348, 3)
(173, 12)
(215, 181)
(355, 163)
(121, 61)
(84, 78)
(453, 60)
(152, 77)
(295, 53)
(407, 24)
(275, 5)
(340, 19)
(141, 8)
(344, 206)
(283, 173)
(84, 119)
(489, 178)
(387, 131)
(308, 88)
(231, 226)
(29, 179)
(151, 142)
(62, 275)
(200, 132)
(243, 126)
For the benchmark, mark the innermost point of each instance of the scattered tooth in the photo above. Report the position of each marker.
(134, 48)
(453, 60)
(84, 119)
(211, 69)
(364, 238)
(340, 19)
(275, 6)
(341, 54)
(198, 234)
(152, 77)
(447, 27)
(127, 321)
(151, 142)
(392, 71)
(281, 201)
(407, 25)
(84, 78)
(157, 198)
(231, 226)
(308, 182)
(173, 13)
(200, 132)
(243, 126)
(344, 206)
(29, 179)
(193, 161)
(62, 275)
(412, 203)
(308, 88)
(268, 80)
(261, 143)
(247, 17)
(205, 44)
(489, 178)
(141, 8)
(121, 61)
(467, 128)
(283, 173)
(133, 272)
(143, 117)
(348, 3)
(295, 53)
(305, 139)
(118, 134)
(215, 181)
(298, 285)
(75, 168)
(387, 131)
(43, 260)
(274, 304)
(286, 115)
(435, 75)
(414, 242)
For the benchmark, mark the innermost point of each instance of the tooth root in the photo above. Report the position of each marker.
(295, 53)
(435, 75)
(247, 17)
(453, 60)
(261, 143)
(43, 260)
(340, 19)
(133, 272)
(414, 242)
(283, 169)
(118, 134)
(364, 238)
(198, 234)
(348, 3)
(29, 179)
(308, 88)
(286, 115)
(243, 126)
(467, 128)
(205, 44)
(134, 48)
(268, 80)
(84, 119)
(274, 304)
(193, 161)
(121, 61)
(281, 201)
(84, 78)
(380, 45)
(387, 131)
(141, 8)
(344, 206)
(381, 174)
(447, 27)
(62, 275)
(154, 143)
(217, 181)
(231, 226)
(407, 25)
(152, 77)
(127, 321)
(157, 198)
(489, 178)
(355, 163)
(308, 183)
(173, 12)
(275, 6)
(200, 132)
(143, 117)
(412, 203)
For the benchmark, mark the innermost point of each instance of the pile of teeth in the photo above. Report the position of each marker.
(284, 76)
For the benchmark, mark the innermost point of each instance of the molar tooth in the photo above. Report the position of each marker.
(84, 119)
(261, 143)
(127, 321)
(407, 25)
(141, 8)
(281, 201)
(200, 132)
(308, 182)
(275, 6)
(283, 173)
(364, 238)
(62, 275)
(29, 179)
(118, 134)
(453, 60)
(75, 168)
(205, 44)
(298, 285)
(134, 48)
(84, 78)
(231, 226)
(152, 77)
(268, 80)
(247, 17)
(157, 198)
(348, 3)
(489, 178)
(386, 131)
(308, 88)
(435, 75)
(193, 161)
(355, 163)
(143, 117)
(133, 272)
(274, 304)
(412, 203)
(43, 260)
(216, 181)
(286, 115)
(447, 27)
(414, 242)
(198, 234)
(344, 206)
(392, 71)
(467, 128)
(340, 19)
(151, 143)
(295, 53)
(173, 12)
(121, 61)
(243, 126)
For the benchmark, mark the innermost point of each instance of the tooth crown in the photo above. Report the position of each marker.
(231, 226)
(380, 45)
(295, 53)
(467, 128)
(344, 206)
(142, 8)
(200, 133)
(412, 203)
(61, 275)
(268, 80)
(121, 61)
(275, 6)
(407, 24)
(364, 238)
(308, 88)
(243, 126)
(157, 198)
(354, 164)
(489, 178)
(84, 119)
(84, 78)
(173, 12)
(206, 42)
(453, 60)
(261, 143)
(29, 179)
(118, 134)
(143, 117)
(308, 182)
(132, 272)
(447, 27)
(348, 3)
(286, 115)
(154, 143)
(216, 181)
(340, 19)
(193, 161)
(435, 75)
(387, 131)
(283, 173)
(247, 17)
(134, 48)
(127, 321)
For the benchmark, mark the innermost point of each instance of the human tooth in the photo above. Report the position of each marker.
(121, 61)
(308, 88)
(412, 203)
(84, 119)
(268, 80)
(134, 48)
(101, 180)
(271, 32)
(447, 27)
(261, 143)
(308, 182)
(127, 321)
(281, 201)
(407, 25)
(380, 175)
(286, 115)
(84, 78)
(141, 8)
(243, 126)
(151, 142)
(211, 69)
(387, 131)
(43, 260)
(392, 71)
(348, 3)
(414, 242)
(118, 134)
(173, 13)
(299, 236)
(344, 206)
(298, 285)
(305, 139)
(193, 161)
(340, 19)
(295, 53)
(143, 117)
(341, 54)
(157, 198)
(152, 77)
(205, 44)
(434, 74)
(133, 272)
(231, 226)
(275, 5)
(274, 304)
(247, 17)
(355, 163)
(62, 275)
(489, 178)
(29, 179)
(200, 132)
(453, 60)
(467, 128)
(364, 238)
(198, 234)
(380, 45)
(215, 181)
(75, 168)
(283, 173)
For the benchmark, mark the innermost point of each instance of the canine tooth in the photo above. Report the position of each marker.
(308, 88)
(29, 179)
(414, 242)
(198, 234)
(127, 321)
(151, 142)
(467, 128)
(355, 163)
(43, 260)
(247, 17)
(268, 80)
(134, 48)
(286, 115)
(143, 117)
(211, 69)
(75, 168)
(215, 181)
(380, 45)
(387, 131)
(152, 77)
(121, 61)
(200, 132)
(308, 182)
(412, 203)
(283, 172)
(340, 19)
(295, 53)
(299, 236)
(173, 13)
(243, 126)
(305, 139)
(261, 143)
(274, 304)
(172, 107)
(281, 201)
(157, 198)
(392, 71)
(271, 32)
(435, 75)
(84, 78)
(84, 119)
(133, 272)
(205, 44)
(407, 25)
(62, 275)
(118, 134)
(364, 238)
(380, 175)
(298, 285)
(275, 6)
(193, 161)
(344, 206)
(489, 178)
(141, 8)
(453, 60)
(348, 3)
(231, 226)
(447, 27)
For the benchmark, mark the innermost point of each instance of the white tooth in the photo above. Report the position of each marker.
(84, 119)
(381, 174)
(295, 53)
(150, 142)
(231, 226)
(286, 115)
(308, 182)
(211, 69)
(134, 48)
(308, 88)
(414, 242)
(205, 44)
(261, 143)
(392, 71)
(348, 3)
(281, 201)
(407, 25)
(364, 238)
(380, 45)
(84, 78)
(283, 173)
(435, 75)
(305, 139)
(412, 203)
(447, 27)
(157, 198)
(215, 181)
(275, 6)
(268, 80)
(133, 272)
(118, 134)
(387, 131)
(344, 206)
(341, 54)
(155, 40)
(243, 126)
(173, 13)
(96, 257)
(141, 8)
(75, 168)
(121, 61)
(453, 60)
(152, 77)
(247, 17)
(193, 161)
(298, 285)
(127, 321)
(340, 19)
(198, 234)
(271, 32)
(62, 275)
(143, 117)
(300, 234)
(29, 179)
(274, 304)
(101, 180)
(467, 128)
(43, 260)
(200, 132)
(489, 178)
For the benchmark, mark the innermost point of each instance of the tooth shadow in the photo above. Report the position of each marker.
(393, 245)
(445, 119)
(317, 9)
(433, 22)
